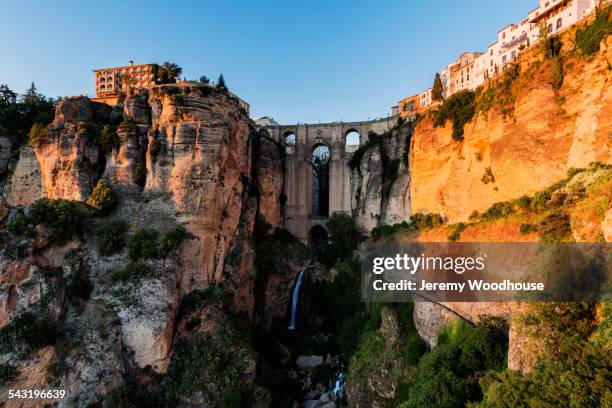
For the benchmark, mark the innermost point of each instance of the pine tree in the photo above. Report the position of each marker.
(436, 92)
(221, 83)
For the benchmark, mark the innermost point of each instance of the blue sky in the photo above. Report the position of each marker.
(306, 61)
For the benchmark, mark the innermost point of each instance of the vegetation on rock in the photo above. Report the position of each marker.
(460, 108)
(102, 197)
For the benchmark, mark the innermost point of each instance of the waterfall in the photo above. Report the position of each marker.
(294, 299)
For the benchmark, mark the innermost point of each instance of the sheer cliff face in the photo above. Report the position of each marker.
(550, 132)
(196, 146)
(380, 182)
(206, 168)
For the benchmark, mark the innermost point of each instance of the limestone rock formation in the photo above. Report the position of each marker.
(70, 158)
(25, 185)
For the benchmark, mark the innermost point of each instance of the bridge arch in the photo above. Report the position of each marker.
(341, 139)
(317, 238)
(290, 140)
(319, 160)
(352, 140)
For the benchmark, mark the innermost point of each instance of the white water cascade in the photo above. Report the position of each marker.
(294, 300)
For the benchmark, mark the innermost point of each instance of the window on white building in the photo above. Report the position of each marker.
(559, 23)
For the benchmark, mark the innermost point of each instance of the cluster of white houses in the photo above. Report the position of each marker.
(472, 69)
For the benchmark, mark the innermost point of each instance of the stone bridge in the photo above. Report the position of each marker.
(305, 215)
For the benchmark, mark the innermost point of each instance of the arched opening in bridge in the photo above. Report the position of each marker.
(320, 180)
(317, 239)
(290, 141)
(351, 141)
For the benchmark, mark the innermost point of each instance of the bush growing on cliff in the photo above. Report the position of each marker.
(442, 376)
(143, 244)
(19, 224)
(108, 138)
(589, 38)
(574, 368)
(343, 238)
(102, 197)
(171, 240)
(7, 373)
(27, 333)
(555, 227)
(64, 218)
(112, 236)
(37, 134)
(459, 109)
(456, 230)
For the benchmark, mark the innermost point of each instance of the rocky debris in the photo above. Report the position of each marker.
(308, 363)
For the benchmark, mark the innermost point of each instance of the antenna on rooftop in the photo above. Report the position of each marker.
(131, 62)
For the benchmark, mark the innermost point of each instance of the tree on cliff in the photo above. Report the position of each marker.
(436, 92)
(221, 83)
(168, 73)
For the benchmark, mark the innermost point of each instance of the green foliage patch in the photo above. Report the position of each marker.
(589, 38)
(460, 108)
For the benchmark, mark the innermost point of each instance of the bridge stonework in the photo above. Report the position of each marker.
(298, 183)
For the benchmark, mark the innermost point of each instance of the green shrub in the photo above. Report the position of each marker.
(132, 395)
(102, 197)
(107, 138)
(590, 37)
(555, 227)
(459, 109)
(474, 216)
(171, 240)
(343, 238)
(19, 224)
(426, 221)
(143, 244)
(488, 176)
(112, 236)
(527, 229)
(7, 373)
(456, 230)
(140, 175)
(557, 72)
(441, 378)
(524, 203)
(194, 300)
(574, 367)
(64, 218)
(28, 333)
(498, 210)
(131, 273)
(37, 135)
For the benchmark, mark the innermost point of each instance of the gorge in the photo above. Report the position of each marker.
(160, 252)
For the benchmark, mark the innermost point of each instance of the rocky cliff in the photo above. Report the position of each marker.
(504, 156)
(380, 178)
(179, 154)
